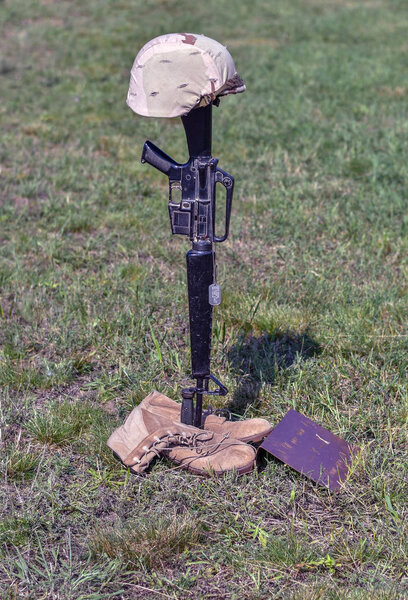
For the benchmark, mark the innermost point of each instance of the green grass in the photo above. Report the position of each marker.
(20, 463)
(93, 301)
(149, 543)
(59, 424)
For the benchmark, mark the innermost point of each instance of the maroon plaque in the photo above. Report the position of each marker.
(310, 449)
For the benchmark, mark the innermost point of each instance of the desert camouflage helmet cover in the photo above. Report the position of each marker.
(176, 72)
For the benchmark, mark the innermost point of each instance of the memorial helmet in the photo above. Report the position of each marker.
(176, 72)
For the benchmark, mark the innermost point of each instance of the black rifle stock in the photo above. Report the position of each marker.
(192, 211)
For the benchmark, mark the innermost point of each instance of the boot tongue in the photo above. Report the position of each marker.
(158, 399)
(153, 422)
(161, 404)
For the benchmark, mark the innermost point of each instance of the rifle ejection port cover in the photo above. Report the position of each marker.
(177, 72)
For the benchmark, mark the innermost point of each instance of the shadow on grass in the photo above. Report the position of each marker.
(256, 360)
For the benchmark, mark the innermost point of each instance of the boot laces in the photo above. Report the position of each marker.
(198, 441)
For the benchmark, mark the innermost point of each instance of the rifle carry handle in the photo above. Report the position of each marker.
(228, 182)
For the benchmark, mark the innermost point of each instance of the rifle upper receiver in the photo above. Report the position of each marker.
(192, 193)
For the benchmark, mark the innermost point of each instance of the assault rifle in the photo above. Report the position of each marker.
(192, 211)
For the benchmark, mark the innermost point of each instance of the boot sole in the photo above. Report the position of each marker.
(241, 471)
(247, 469)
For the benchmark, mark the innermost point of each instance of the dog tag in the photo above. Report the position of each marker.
(214, 294)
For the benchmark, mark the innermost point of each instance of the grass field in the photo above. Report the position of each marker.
(93, 301)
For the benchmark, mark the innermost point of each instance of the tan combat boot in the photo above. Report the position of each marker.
(249, 430)
(145, 435)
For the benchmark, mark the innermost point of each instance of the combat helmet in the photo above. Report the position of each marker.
(177, 72)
